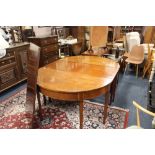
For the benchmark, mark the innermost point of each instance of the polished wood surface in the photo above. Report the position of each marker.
(77, 78)
(77, 74)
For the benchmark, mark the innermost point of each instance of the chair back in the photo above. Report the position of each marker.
(32, 72)
(137, 52)
(132, 39)
(76, 48)
(140, 108)
(98, 36)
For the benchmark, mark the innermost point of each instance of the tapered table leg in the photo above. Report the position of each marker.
(44, 100)
(39, 104)
(106, 106)
(81, 114)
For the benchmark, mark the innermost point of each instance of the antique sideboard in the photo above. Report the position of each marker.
(13, 66)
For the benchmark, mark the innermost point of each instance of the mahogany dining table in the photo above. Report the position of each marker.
(77, 78)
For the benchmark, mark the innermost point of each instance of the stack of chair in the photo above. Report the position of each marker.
(25, 118)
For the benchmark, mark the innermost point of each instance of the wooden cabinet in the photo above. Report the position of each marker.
(79, 33)
(149, 34)
(49, 48)
(13, 65)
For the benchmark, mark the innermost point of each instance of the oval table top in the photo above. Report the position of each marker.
(77, 74)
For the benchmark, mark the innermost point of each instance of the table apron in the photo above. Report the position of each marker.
(79, 96)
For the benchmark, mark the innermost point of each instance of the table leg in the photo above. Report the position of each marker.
(106, 106)
(81, 114)
(44, 100)
(113, 88)
(39, 104)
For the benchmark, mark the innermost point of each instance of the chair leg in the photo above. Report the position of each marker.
(44, 100)
(126, 68)
(137, 71)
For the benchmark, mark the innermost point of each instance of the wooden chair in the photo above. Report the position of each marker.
(32, 73)
(29, 109)
(140, 108)
(97, 40)
(136, 56)
(75, 49)
(148, 64)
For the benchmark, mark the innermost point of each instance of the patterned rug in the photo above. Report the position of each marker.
(59, 115)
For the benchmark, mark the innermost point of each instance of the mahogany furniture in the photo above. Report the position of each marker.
(102, 53)
(98, 36)
(13, 67)
(32, 73)
(49, 48)
(79, 33)
(25, 118)
(75, 49)
(78, 78)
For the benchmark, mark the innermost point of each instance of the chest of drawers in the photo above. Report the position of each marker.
(13, 66)
(49, 48)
